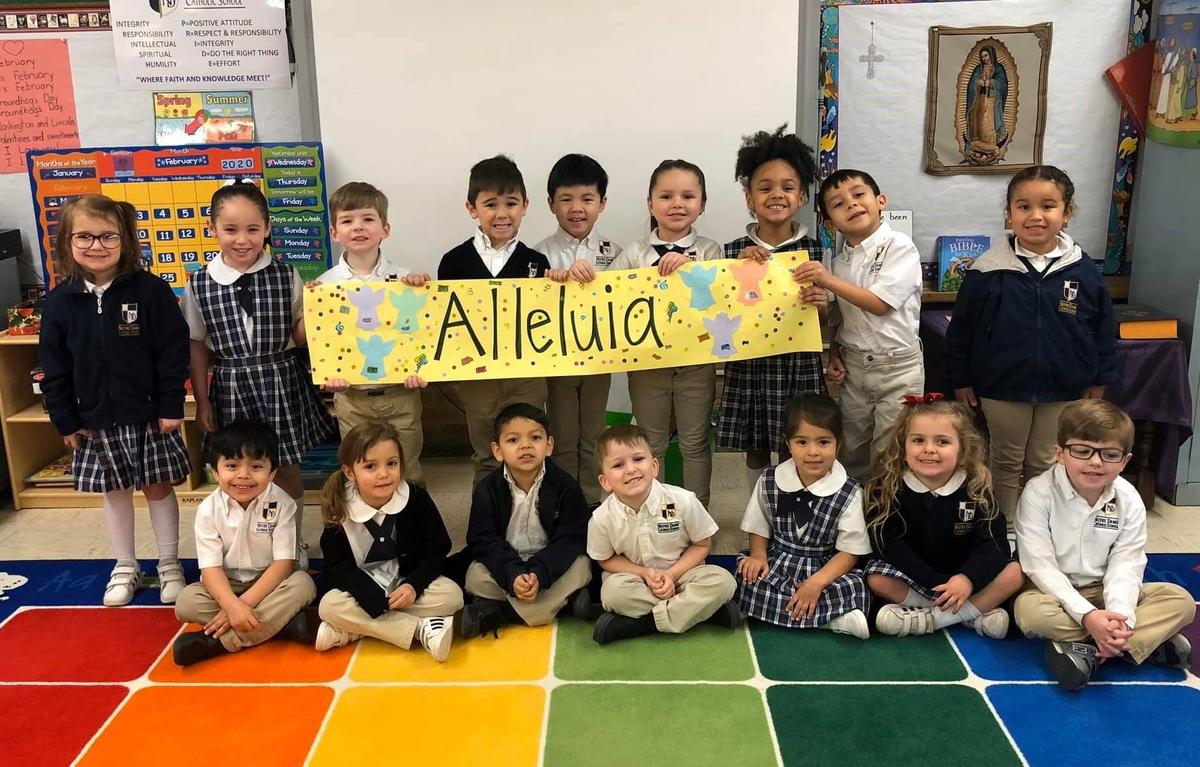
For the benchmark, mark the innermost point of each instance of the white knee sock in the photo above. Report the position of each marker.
(943, 618)
(164, 518)
(118, 518)
(913, 599)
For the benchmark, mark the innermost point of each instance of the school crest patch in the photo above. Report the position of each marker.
(271, 511)
(1070, 289)
(129, 313)
(533, 269)
(966, 511)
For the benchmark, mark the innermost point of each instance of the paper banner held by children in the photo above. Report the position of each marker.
(706, 312)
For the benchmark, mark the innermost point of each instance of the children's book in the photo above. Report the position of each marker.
(1144, 322)
(955, 254)
(55, 473)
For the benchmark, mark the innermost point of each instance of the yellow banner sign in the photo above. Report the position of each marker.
(708, 311)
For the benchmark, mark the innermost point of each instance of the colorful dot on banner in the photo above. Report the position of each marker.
(344, 309)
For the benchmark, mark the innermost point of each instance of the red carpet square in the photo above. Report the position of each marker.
(47, 725)
(84, 644)
(275, 660)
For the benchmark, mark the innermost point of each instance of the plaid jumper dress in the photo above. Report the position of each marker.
(757, 390)
(794, 555)
(259, 379)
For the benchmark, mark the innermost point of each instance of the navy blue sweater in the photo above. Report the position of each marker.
(463, 263)
(122, 360)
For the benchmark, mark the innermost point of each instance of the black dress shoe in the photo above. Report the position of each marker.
(610, 627)
(196, 646)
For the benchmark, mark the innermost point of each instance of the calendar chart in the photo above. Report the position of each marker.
(171, 187)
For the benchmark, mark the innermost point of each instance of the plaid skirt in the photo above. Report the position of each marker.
(766, 599)
(756, 394)
(881, 567)
(129, 456)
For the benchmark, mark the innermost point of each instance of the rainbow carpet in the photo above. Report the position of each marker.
(95, 686)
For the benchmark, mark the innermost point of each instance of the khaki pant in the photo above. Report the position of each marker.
(483, 401)
(393, 404)
(699, 593)
(871, 398)
(195, 605)
(549, 600)
(1162, 610)
(578, 405)
(1022, 439)
(440, 599)
(686, 392)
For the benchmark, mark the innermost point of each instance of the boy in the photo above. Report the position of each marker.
(576, 193)
(496, 199)
(249, 589)
(1081, 537)
(358, 222)
(651, 540)
(526, 532)
(875, 355)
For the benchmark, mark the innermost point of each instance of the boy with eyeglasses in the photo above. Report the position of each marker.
(1081, 538)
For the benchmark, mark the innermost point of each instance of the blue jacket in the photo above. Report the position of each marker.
(120, 360)
(1023, 337)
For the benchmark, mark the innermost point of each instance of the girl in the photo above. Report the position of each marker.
(776, 171)
(245, 309)
(943, 557)
(114, 352)
(1033, 329)
(676, 199)
(385, 547)
(805, 520)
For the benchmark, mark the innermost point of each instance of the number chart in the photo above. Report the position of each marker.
(171, 189)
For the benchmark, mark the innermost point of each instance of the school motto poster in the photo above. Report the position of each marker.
(706, 312)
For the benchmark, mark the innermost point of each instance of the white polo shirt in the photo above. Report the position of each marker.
(223, 274)
(642, 253)
(492, 258)
(797, 235)
(655, 535)
(887, 264)
(245, 541)
(387, 572)
(525, 532)
(383, 271)
(852, 526)
(563, 250)
(1042, 260)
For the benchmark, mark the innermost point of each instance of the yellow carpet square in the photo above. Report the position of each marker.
(520, 654)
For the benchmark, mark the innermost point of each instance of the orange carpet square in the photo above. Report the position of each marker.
(275, 660)
(47, 725)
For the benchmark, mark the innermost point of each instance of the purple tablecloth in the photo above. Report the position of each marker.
(1153, 387)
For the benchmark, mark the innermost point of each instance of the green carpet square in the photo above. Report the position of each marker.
(896, 725)
(677, 724)
(706, 653)
(792, 655)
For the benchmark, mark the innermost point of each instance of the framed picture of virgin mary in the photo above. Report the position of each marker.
(986, 98)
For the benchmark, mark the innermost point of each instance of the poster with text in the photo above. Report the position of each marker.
(37, 100)
(224, 117)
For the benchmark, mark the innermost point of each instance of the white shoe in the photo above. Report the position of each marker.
(330, 636)
(993, 624)
(895, 620)
(435, 635)
(302, 556)
(123, 583)
(853, 623)
(170, 581)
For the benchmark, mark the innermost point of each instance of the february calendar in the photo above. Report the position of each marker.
(171, 189)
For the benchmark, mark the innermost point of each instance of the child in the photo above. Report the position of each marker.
(358, 218)
(876, 354)
(1081, 535)
(245, 313)
(114, 352)
(651, 540)
(496, 199)
(526, 531)
(1033, 329)
(805, 521)
(249, 589)
(385, 546)
(576, 193)
(676, 199)
(776, 171)
(942, 554)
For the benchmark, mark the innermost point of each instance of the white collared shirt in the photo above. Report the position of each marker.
(887, 264)
(752, 233)
(950, 488)
(245, 542)
(1064, 542)
(223, 274)
(563, 250)
(642, 253)
(383, 271)
(525, 532)
(852, 526)
(654, 535)
(358, 512)
(1040, 260)
(492, 258)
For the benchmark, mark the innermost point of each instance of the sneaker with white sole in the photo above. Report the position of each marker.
(123, 583)
(902, 621)
(1176, 652)
(993, 624)
(435, 635)
(1072, 663)
(330, 636)
(170, 581)
(853, 623)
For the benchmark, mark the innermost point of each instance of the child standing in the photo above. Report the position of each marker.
(1081, 535)
(681, 394)
(876, 354)
(942, 554)
(385, 546)
(651, 540)
(358, 218)
(806, 527)
(496, 198)
(113, 349)
(776, 171)
(576, 192)
(1033, 329)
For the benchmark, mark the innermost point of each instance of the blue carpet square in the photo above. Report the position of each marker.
(1180, 569)
(1018, 659)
